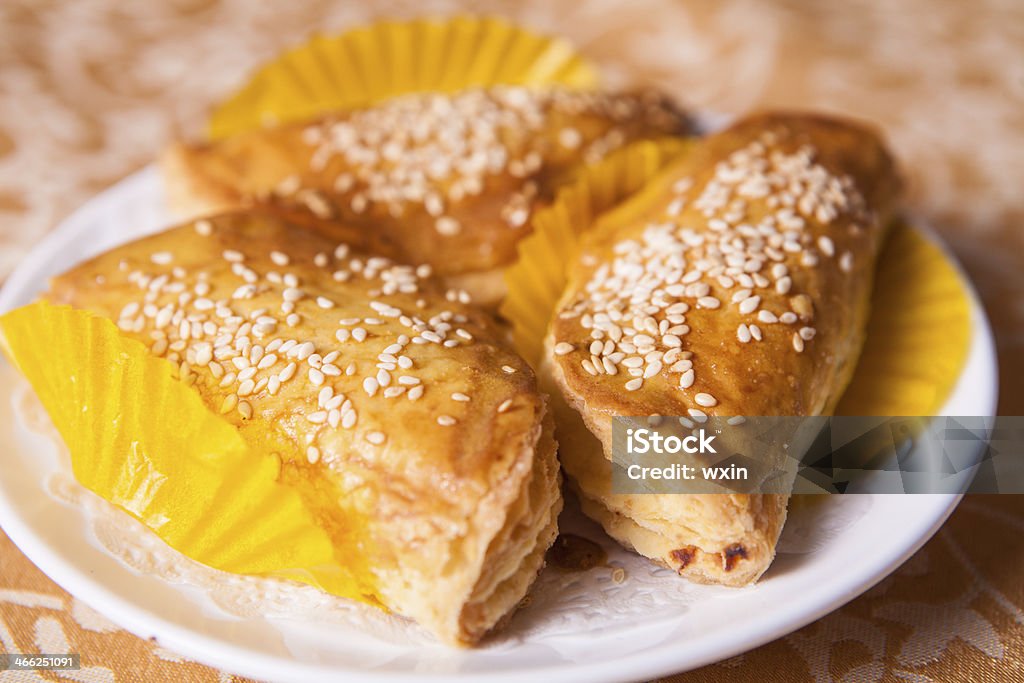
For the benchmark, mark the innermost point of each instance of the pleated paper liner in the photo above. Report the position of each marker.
(389, 58)
(145, 441)
(918, 333)
(919, 328)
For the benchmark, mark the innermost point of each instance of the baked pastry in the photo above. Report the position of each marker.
(737, 285)
(453, 179)
(402, 418)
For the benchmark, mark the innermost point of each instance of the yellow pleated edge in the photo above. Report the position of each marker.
(919, 328)
(145, 441)
(919, 331)
(389, 58)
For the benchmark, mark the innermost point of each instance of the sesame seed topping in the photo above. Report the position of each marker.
(750, 304)
(708, 302)
(697, 415)
(434, 205)
(562, 348)
(289, 184)
(229, 404)
(636, 303)
(846, 262)
(445, 420)
(432, 150)
(288, 372)
(705, 400)
(446, 225)
(241, 338)
(326, 394)
(570, 138)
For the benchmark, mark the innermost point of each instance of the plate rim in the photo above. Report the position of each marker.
(660, 660)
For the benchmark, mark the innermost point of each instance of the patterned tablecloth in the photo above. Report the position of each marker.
(91, 89)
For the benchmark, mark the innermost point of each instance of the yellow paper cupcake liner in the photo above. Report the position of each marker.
(145, 441)
(366, 65)
(919, 328)
(918, 333)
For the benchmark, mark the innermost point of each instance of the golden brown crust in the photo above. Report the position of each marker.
(408, 425)
(452, 179)
(739, 286)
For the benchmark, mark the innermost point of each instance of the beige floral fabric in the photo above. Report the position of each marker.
(91, 89)
(38, 617)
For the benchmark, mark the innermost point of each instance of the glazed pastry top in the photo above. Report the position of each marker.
(452, 178)
(351, 355)
(738, 284)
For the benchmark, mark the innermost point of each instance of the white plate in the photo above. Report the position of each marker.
(578, 627)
